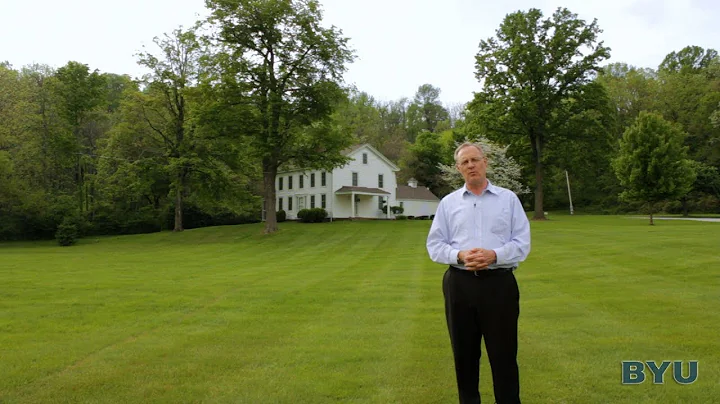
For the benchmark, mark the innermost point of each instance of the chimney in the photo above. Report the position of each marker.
(412, 183)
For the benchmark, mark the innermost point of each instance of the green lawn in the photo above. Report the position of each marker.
(349, 313)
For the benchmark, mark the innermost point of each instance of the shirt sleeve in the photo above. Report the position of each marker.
(438, 240)
(518, 248)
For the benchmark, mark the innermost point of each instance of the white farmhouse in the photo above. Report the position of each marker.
(359, 189)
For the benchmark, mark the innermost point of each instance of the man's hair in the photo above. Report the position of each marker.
(468, 144)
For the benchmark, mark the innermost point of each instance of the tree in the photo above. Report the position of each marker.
(422, 162)
(166, 106)
(689, 93)
(529, 72)
(80, 93)
(275, 58)
(690, 59)
(630, 90)
(652, 164)
(426, 111)
(502, 170)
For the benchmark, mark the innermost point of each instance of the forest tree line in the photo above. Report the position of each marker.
(198, 141)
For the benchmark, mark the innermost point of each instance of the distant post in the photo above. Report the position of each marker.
(569, 194)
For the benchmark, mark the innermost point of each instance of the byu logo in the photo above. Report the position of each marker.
(633, 372)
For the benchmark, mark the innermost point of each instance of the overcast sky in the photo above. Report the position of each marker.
(400, 44)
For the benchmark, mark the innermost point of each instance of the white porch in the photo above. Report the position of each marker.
(360, 202)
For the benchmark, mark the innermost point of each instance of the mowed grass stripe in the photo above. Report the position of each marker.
(348, 312)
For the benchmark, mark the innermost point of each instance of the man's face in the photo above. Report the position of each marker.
(472, 165)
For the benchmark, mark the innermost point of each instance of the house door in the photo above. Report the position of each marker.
(301, 203)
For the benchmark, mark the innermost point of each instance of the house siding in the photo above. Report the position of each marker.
(419, 208)
(367, 206)
(301, 196)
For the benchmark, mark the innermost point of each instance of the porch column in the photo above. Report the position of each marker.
(387, 202)
(352, 205)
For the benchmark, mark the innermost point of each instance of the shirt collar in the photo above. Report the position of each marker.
(490, 188)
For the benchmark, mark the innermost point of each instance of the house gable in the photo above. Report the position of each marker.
(356, 152)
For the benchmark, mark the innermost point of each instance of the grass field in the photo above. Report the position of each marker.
(349, 312)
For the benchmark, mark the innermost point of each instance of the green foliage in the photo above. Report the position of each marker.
(530, 72)
(426, 112)
(290, 67)
(652, 164)
(394, 209)
(281, 216)
(313, 215)
(690, 59)
(401, 217)
(423, 160)
(67, 232)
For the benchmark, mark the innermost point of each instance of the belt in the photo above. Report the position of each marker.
(485, 272)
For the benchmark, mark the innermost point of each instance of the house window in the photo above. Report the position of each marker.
(290, 181)
(312, 180)
(312, 201)
(280, 204)
(280, 183)
(380, 180)
(381, 202)
(322, 179)
(364, 158)
(290, 202)
(354, 179)
(301, 180)
(322, 200)
(401, 205)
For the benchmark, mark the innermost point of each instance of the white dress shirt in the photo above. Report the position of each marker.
(494, 220)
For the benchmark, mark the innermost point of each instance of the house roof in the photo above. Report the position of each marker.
(361, 190)
(287, 168)
(353, 149)
(419, 194)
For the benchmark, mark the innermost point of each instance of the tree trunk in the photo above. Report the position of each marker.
(651, 219)
(685, 207)
(539, 212)
(179, 202)
(269, 174)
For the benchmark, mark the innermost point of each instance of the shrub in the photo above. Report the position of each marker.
(314, 215)
(281, 216)
(401, 217)
(396, 210)
(67, 232)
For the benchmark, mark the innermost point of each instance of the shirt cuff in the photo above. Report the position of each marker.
(452, 259)
(498, 259)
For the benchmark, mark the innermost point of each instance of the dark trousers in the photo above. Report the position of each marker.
(484, 306)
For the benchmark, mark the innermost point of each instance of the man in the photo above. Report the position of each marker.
(482, 232)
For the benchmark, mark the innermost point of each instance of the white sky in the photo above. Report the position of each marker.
(400, 44)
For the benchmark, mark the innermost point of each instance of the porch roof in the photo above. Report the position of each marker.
(347, 190)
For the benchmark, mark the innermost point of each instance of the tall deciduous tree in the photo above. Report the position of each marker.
(652, 165)
(690, 59)
(426, 111)
(276, 58)
(630, 90)
(422, 162)
(167, 109)
(80, 93)
(529, 71)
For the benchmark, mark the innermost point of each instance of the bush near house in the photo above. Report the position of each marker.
(314, 215)
(396, 210)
